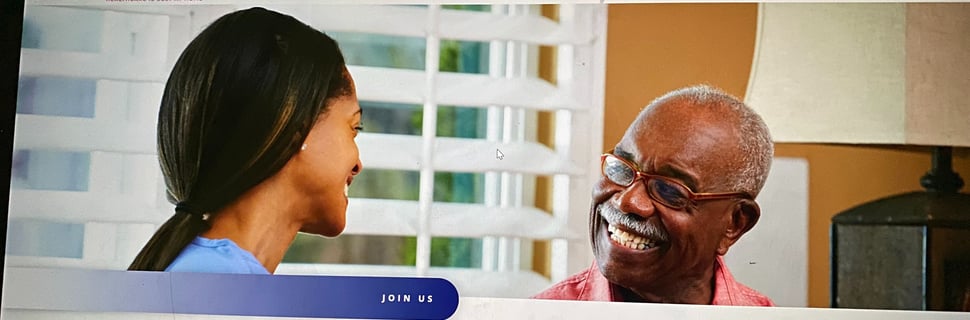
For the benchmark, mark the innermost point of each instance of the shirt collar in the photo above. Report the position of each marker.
(598, 288)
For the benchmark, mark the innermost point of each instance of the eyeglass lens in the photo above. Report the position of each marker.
(667, 192)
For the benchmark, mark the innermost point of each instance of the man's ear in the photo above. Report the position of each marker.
(744, 215)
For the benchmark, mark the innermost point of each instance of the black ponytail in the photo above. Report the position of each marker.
(237, 106)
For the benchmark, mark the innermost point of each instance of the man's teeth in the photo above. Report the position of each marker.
(630, 240)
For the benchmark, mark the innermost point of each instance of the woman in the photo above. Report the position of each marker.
(256, 142)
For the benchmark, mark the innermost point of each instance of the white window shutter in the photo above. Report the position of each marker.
(119, 208)
(125, 200)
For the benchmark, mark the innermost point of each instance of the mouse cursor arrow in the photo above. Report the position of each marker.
(499, 155)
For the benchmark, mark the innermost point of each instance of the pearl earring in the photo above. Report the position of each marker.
(303, 147)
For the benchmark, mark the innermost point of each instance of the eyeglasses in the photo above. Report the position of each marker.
(668, 192)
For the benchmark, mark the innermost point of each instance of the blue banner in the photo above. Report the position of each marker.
(243, 294)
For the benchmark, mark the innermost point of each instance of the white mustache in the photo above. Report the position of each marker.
(614, 216)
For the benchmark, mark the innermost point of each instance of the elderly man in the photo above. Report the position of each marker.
(674, 194)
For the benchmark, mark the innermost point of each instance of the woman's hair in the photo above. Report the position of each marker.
(237, 106)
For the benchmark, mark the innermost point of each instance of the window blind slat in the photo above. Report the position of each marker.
(386, 151)
(83, 134)
(81, 207)
(455, 24)
(381, 217)
(389, 151)
(460, 89)
(27, 262)
(477, 155)
(364, 216)
(483, 26)
(41, 62)
(388, 20)
(474, 220)
(399, 217)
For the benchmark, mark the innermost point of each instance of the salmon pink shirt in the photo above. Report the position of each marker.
(591, 285)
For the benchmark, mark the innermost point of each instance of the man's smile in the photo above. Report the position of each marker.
(629, 240)
(630, 232)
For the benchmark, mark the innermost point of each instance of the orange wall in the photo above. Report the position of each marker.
(655, 48)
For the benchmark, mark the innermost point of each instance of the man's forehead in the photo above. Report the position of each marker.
(661, 122)
(668, 166)
(674, 108)
(674, 139)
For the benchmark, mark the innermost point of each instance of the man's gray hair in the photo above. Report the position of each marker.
(755, 142)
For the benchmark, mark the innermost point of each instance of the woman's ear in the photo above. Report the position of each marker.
(744, 215)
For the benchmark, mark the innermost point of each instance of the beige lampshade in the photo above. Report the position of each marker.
(879, 73)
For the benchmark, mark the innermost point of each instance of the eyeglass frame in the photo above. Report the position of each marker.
(692, 196)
